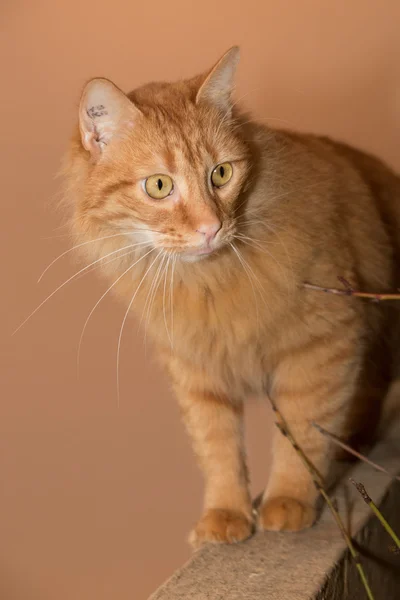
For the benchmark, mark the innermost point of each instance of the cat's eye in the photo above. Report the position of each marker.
(158, 187)
(221, 174)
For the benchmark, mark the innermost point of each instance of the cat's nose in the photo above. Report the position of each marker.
(210, 229)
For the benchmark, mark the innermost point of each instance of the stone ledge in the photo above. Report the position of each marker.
(313, 564)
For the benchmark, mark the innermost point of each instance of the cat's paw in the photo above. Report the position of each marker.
(220, 525)
(285, 514)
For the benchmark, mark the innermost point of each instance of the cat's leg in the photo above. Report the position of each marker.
(318, 387)
(215, 426)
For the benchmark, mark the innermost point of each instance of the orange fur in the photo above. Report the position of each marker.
(238, 322)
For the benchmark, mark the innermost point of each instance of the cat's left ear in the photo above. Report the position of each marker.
(105, 113)
(218, 86)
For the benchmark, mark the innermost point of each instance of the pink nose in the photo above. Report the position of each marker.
(209, 230)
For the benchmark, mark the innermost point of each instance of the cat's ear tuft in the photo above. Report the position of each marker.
(104, 113)
(219, 84)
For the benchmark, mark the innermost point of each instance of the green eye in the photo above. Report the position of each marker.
(158, 187)
(221, 174)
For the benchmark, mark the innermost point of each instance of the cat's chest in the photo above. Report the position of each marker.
(228, 365)
(221, 346)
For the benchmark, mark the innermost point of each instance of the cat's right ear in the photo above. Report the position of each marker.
(104, 113)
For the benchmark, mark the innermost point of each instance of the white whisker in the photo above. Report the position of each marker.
(164, 309)
(124, 320)
(240, 205)
(151, 297)
(70, 279)
(251, 222)
(279, 239)
(257, 247)
(251, 283)
(249, 272)
(228, 112)
(154, 293)
(103, 295)
(53, 237)
(145, 306)
(106, 237)
(250, 269)
(241, 223)
(241, 123)
(109, 261)
(171, 298)
(251, 239)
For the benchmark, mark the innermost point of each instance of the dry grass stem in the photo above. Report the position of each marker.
(361, 489)
(336, 440)
(319, 484)
(348, 290)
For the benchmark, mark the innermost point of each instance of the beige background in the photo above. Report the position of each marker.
(95, 499)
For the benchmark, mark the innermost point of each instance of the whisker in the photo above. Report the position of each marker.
(70, 279)
(145, 306)
(268, 240)
(106, 237)
(240, 205)
(110, 260)
(103, 295)
(251, 244)
(149, 300)
(250, 269)
(290, 263)
(250, 221)
(257, 281)
(281, 195)
(243, 221)
(246, 237)
(301, 190)
(265, 251)
(153, 296)
(171, 298)
(61, 226)
(251, 283)
(164, 309)
(224, 118)
(53, 237)
(124, 320)
(257, 120)
(276, 233)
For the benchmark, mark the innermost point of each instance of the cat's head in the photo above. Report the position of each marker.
(166, 162)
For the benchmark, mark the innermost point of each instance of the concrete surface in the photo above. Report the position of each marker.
(313, 564)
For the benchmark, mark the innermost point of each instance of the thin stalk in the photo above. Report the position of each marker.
(368, 500)
(339, 442)
(348, 290)
(319, 484)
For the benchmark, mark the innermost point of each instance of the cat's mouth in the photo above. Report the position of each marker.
(201, 251)
(195, 254)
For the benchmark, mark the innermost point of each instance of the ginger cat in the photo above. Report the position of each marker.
(216, 222)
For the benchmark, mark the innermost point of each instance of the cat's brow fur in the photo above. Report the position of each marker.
(306, 209)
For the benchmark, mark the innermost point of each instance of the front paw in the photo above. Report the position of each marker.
(286, 514)
(220, 525)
